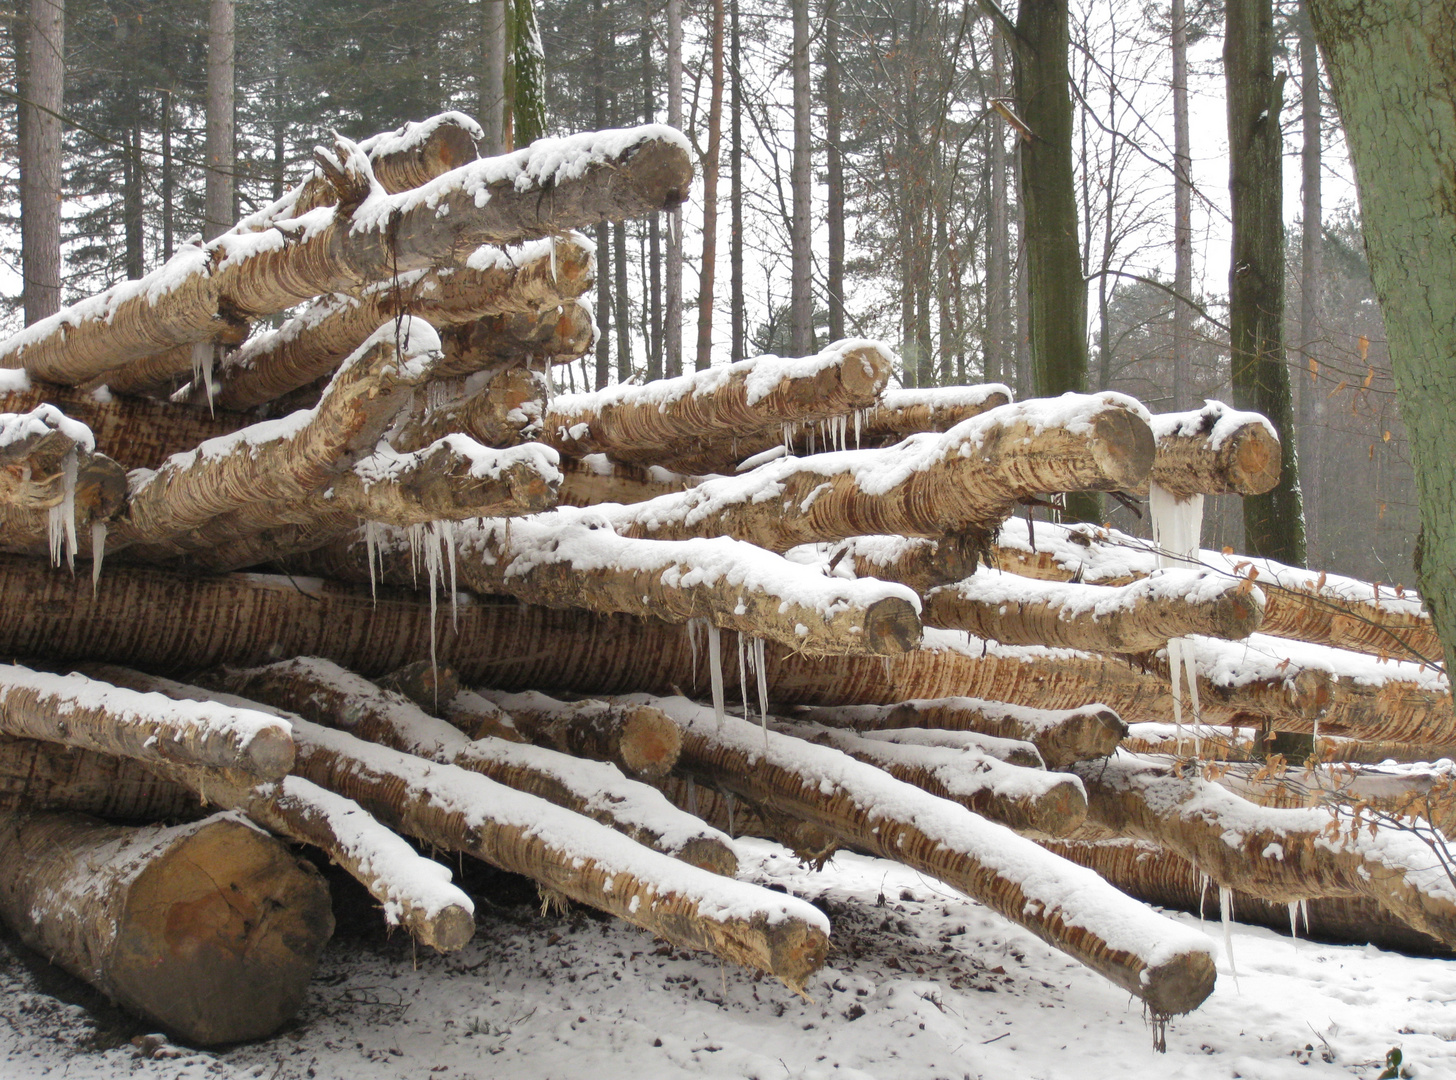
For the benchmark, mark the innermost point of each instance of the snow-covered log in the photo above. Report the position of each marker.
(1128, 618)
(1157, 876)
(553, 336)
(529, 278)
(83, 712)
(497, 408)
(210, 929)
(1031, 801)
(327, 694)
(737, 816)
(1168, 966)
(565, 560)
(550, 187)
(671, 419)
(902, 412)
(595, 479)
(37, 774)
(1060, 736)
(929, 485)
(1307, 605)
(638, 739)
(1012, 751)
(1412, 790)
(1283, 855)
(1215, 450)
(919, 562)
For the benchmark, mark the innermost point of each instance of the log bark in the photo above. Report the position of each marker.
(1159, 877)
(1386, 793)
(531, 279)
(1215, 450)
(868, 809)
(661, 422)
(1033, 802)
(594, 479)
(430, 686)
(1012, 751)
(929, 485)
(211, 929)
(298, 259)
(738, 816)
(1061, 736)
(1283, 855)
(555, 336)
(82, 712)
(36, 774)
(502, 412)
(1128, 618)
(919, 562)
(900, 413)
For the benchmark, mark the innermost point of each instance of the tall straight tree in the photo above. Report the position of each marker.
(996, 364)
(801, 265)
(1390, 65)
(710, 190)
(1182, 215)
(834, 153)
(653, 276)
(1273, 522)
(217, 213)
(42, 84)
(672, 319)
(491, 98)
(528, 66)
(603, 230)
(735, 160)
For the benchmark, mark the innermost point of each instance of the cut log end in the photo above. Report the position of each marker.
(1123, 448)
(448, 930)
(795, 949)
(268, 754)
(1179, 985)
(892, 626)
(650, 743)
(709, 854)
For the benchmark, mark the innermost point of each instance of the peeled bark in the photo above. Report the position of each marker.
(539, 339)
(864, 807)
(1160, 877)
(1061, 736)
(529, 280)
(900, 413)
(211, 930)
(1128, 618)
(1215, 451)
(257, 274)
(1282, 855)
(594, 479)
(638, 738)
(660, 422)
(1033, 802)
(501, 412)
(738, 816)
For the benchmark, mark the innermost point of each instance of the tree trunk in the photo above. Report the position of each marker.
(652, 278)
(708, 268)
(834, 153)
(622, 308)
(42, 52)
(1311, 252)
(1273, 522)
(490, 103)
(218, 214)
(132, 180)
(169, 183)
(997, 363)
(801, 270)
(673, 318)
(211, 930)
(1182, 217)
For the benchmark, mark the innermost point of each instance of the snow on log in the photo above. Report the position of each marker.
(596, 479)
(84, 712)
(1283, 855)
(638, 739)
(1409, 790)
(1335, 748)
(553, 336)
(1308, 605)
(928, 485)
(1192, 740)
(564, 559)
(1160, 877)
(737, 816)
(667, 419)
(210, 929)
(1012, 751)
(499, 408)
(327, 694)
(1143, 615)
(901, 412)
(1168, 966)
(1060, 736)
(1215, 450)
(550, 187)
(527, 278)
(1030, 801)
(280, 460)
(916, 561)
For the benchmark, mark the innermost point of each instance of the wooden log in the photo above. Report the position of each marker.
(326, 694)
(1012, 751)
(901, 412)
(82, 712)
(1127, 618)
(1193, 740)
(499, 408)
(1033, 802)
(1387, 793)
(454, 809)
(1157, 876)
(1335, 748)
(527, 279)
(1061, 736)
(737, 816)
(1169, 967)
(1307, 605)
(541, 339)
(589, 178)
(565, 560)
(595, 479)
(1215, 450)
(638, 739)
(36, 774)
(211, 929)
(916, 561)
(430, 686)
(929, 485)
(1283, 855)
(660, 422)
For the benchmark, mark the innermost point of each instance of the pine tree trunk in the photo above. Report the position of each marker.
(996, 363)
(42, 56)
(490, 101)
(1311, 250)
(834, 152)
(673, 318)
(652, 278)
(218, 214)
(1182, 216)
(708, 267)
(801, 271)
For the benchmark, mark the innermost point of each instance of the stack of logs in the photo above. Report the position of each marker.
(345, 556)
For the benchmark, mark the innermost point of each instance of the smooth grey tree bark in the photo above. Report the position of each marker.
(673, 317)
(801, 263)
(491, 99)
(1182, 217)
(42, 86)
(218, 211)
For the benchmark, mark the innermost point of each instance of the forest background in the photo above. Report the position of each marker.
(914, 155)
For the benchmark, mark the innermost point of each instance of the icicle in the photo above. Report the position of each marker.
(715, 669)
(1203, 883)
(692, 797)
(1226, 912)
(743, 673)
(98, 551)
(202, 356)
(1294, 920)
(731, 800)
(1304, 914)
(1175, 667)
(415, 534)
(761, 670)
(446, 532)
(693, 646)
(858, 417)
(1177, 526)
(61, 520)
(371, 555)
(432, 568)
(553, 259)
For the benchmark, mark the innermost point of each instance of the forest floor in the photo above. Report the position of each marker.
(922, 984)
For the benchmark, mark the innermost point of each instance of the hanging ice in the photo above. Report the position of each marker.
(98, 551)
(1177, 528)
(1226, 912)
(715, 669)
(61, 520)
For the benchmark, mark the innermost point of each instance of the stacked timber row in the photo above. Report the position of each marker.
(337, 567)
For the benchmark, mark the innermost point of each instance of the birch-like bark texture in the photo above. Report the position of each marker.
(590, 177)
(1182, 211)
(210, 929)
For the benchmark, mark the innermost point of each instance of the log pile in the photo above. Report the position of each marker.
(369, 587)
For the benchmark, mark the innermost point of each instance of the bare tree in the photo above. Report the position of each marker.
(1182, 213)
(801, 288)
(710, 191)
(491, 99)
(42, 86)
(218, 211)
(672, 321)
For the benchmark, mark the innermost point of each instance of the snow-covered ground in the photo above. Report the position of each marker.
(922, 984)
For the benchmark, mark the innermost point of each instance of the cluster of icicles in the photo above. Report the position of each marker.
(1177, 530)
(61, 525)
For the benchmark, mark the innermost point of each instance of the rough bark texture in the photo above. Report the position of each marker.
(1191, 461)
(42, 92)
(217, 210)
(1391, 69)
(737, 816)
(594, 479)
(500, 413)
(37, 774)
(553, 336)
(801, 255)
(211, 930)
